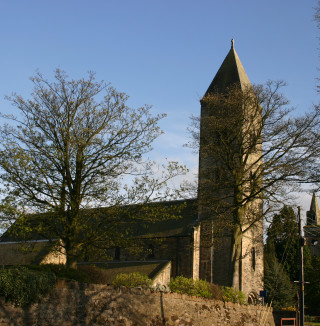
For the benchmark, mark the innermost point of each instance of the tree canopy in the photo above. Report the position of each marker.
(281, 292)
(283, 241)
(282, 263)
(73, 145)
(312, 290)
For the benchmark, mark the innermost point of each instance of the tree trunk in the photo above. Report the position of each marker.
(71, 261)
(236, 248)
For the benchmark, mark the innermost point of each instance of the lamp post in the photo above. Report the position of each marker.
(301, 281)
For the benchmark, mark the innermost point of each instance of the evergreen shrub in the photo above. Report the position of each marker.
(132, 280)
(22, 286)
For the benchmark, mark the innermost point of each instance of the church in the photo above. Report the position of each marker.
(181, 246)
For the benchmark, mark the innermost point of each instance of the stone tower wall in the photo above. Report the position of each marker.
(216, 204)
(252, 263)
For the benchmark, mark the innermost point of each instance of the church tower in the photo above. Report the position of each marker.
(231, 252)
(312, 228)
(313, 215)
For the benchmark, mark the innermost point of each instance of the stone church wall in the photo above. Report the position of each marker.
(179, 251)
(73, 304)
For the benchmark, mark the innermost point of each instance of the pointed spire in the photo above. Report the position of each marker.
(231, 72)
(313, 215)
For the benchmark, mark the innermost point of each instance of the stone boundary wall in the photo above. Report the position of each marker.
(77, 304)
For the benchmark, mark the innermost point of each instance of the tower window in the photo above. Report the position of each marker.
(117, 253)
(253, 258)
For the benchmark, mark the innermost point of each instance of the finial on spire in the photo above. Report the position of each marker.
(232, 43)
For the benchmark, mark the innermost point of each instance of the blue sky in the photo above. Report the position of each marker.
(164, 53)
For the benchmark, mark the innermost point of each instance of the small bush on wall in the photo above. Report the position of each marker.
(182, 285)
(198, 288)
(132, 280)
(205, 289)
(22, 286)
(233, 295)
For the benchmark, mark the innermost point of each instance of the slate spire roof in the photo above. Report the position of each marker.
(314, 217)
(231, 72)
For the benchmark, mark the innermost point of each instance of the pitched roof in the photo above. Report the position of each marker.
(231, 72)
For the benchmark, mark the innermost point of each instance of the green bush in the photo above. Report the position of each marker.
(23, 286)
(233, 295)
(205, 289)
(182, 285)
(197, 288)
(132, 280)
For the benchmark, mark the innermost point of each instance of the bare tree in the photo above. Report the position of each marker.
(317, 20)
(72, 146)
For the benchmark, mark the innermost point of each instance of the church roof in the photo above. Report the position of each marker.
(230, 73)
(20, 248)
(182, 225)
